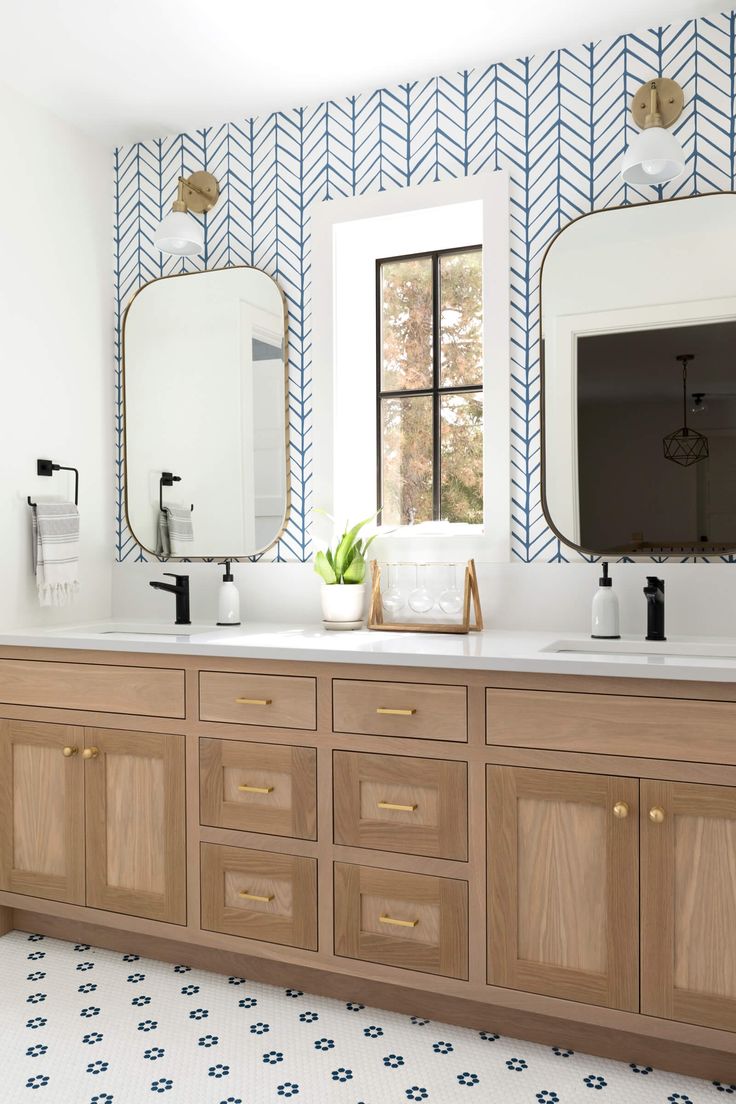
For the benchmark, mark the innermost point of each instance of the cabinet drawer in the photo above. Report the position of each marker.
(258, 787)
(413, 709)
(400, 803)
(613, 724)
(95, 687)
(260, 895)
(414, 921)
(280, 701)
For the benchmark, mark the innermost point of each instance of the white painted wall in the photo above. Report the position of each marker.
(701, 598)
(55, 371)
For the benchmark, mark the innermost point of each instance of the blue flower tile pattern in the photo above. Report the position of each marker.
(204, 1043)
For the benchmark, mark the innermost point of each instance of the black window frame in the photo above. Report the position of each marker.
(436, 391)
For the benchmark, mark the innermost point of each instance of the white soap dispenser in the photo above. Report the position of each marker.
(605, 610)
(228, 599)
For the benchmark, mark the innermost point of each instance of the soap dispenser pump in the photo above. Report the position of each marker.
(228, 601)
(605, 609)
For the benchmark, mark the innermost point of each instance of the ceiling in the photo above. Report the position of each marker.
(642, 364)
(127, 71)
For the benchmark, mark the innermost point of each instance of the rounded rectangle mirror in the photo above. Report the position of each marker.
(206, 424)
(638, 326)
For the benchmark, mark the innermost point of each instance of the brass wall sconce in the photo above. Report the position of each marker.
(655, 156)
(179, 234)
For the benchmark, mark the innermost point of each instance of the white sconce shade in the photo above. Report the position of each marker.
(180, 235)
(653, 157)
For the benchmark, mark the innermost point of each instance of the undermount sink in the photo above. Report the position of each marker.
(717, 649)
(125, 630)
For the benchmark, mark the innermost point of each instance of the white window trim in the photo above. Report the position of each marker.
(490, 542)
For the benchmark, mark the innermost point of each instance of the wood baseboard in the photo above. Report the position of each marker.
(7, 923)
(639, 1046)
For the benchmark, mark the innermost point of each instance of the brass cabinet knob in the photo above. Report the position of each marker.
(90, 753)
(656, 814)
(69, 751)
(621, 810)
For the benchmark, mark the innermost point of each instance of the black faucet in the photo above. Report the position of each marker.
(181, 589)
(654, 591)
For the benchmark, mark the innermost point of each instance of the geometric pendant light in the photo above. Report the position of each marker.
(685, 446)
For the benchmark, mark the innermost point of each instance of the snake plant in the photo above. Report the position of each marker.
(347, 562)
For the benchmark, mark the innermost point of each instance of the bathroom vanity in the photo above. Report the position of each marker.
(480, 830)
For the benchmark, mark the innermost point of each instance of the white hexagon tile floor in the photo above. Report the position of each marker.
(79, 1025)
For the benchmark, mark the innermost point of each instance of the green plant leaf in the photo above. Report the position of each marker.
(355, 572)
(324, 568)
(346, 542)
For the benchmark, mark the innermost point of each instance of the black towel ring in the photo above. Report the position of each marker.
(167, 480)
(47, 467)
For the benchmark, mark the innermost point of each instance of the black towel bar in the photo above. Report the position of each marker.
(167, 480)
(47, 467)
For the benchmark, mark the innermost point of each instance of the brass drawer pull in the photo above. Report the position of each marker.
(69, 751)
(256, 897)
(253, 701)
(621, 810)
(398, 923)
(656, 814)
(256, 789)
(395, 712)
(90, 753)
(397, 808)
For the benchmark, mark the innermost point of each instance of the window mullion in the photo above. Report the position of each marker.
(436, 412)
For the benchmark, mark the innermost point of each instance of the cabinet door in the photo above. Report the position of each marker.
(563, 885)
(136, 832)
(42, 810)
(688, 887)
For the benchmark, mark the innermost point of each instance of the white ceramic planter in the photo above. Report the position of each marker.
(343, 602)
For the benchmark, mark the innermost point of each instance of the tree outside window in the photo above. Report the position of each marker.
(430, 387)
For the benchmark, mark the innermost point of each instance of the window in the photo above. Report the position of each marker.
(430, 387)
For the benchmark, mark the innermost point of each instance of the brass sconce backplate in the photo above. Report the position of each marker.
(201, 192)
(670, 102)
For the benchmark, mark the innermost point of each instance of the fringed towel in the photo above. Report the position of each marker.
(56, 552)
(175, 531)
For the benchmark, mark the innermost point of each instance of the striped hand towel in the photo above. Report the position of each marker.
(175, 531)
(55, 539)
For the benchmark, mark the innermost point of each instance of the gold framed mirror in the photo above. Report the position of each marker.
(206, 414)
(638, 382)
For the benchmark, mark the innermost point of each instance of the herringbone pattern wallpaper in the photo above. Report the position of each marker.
(558, 124)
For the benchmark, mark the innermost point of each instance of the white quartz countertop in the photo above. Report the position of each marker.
(702, 659)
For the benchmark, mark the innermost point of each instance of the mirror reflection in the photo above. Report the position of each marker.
(639, 381)
(205, 414)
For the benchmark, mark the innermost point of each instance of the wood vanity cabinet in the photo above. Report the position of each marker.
(42, 810)
(134, 812)
(688, 901)
(94, 816)
(595, 882)
(548, 856)
(563, 885)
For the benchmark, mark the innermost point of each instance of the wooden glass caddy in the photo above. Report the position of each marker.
(471, 604)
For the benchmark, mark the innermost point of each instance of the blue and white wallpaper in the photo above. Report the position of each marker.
(558, 123)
